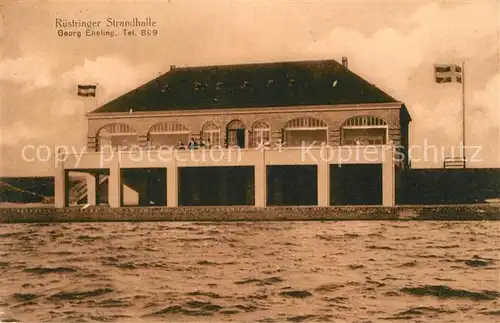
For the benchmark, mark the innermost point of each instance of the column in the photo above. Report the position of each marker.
(92, 180)
(60, 186)
(323, 177)
(323, 183)
(91, 143)
(143, 140)
(260, 181)
(114, 184)
(172, 184)
(388, 177)
(247, 139)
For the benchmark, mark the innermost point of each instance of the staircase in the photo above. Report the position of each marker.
(79, 190)
(454, 163)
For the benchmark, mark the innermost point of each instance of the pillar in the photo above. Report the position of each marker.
(172, 185)
(323, 174)
(260, 181)
(388, 178)
(61, 195)
(92, 180)
(114, 184)
(143, 140)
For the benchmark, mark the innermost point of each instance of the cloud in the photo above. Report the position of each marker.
(113, 74)
(68, 107)
(489, 96)
(33, 70)
(400, 61)
(19, 132)
(390, 56)
(397, 57)
(486, 103)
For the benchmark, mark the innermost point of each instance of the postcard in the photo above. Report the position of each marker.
(117, 113)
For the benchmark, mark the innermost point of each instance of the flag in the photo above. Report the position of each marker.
(87, 90)
(447, 73)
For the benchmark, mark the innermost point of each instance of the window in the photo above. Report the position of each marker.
(117, 135)
(211, 134)
(364, 130)
(361, 121)
(261, 134)
(291, 82)
(168, 134)
(219, 85)
(196, 86)
(305, 131)
(245, 84)
(235, 125)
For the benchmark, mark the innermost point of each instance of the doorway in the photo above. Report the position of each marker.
(236, 133)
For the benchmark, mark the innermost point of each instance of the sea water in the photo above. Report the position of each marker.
(250, 271)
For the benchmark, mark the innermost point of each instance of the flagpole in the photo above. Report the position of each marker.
(96, 105)
(96, 96)
(463, 114)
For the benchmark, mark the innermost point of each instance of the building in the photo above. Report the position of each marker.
(290, 133)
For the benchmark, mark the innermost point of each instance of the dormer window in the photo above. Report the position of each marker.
(219, 85)
(196, 86)
(245, 84)
(269, 83)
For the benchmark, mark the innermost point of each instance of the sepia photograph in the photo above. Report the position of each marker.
(249, 161)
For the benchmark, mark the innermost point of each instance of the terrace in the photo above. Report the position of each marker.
(308, 171)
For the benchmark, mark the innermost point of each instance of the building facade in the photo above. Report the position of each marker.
(277, 133)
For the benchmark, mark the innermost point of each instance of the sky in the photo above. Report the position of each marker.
(391, 44)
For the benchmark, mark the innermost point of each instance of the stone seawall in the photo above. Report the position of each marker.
(475, 212)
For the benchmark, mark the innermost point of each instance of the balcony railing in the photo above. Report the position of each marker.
(231, 156)
(454, 163)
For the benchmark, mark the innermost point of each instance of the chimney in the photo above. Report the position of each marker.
(344, 62)
(172, 67)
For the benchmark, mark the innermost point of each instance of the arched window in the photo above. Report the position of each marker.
(117, 135)
(168, 134)
(364, 130)
(210, 134)
(364, 121)
(235, 133)
(305, 124)
(235, 125)
(261, 133)
(305, 131)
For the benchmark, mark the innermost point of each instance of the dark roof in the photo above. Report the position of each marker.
(250, 85)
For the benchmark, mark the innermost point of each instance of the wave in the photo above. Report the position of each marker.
(47, 270)
(443, 291)
(296, 293)
(63, 296)
(207, 294)
(260, 282)
(275, 272)
(23, 297)
(191, 308)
